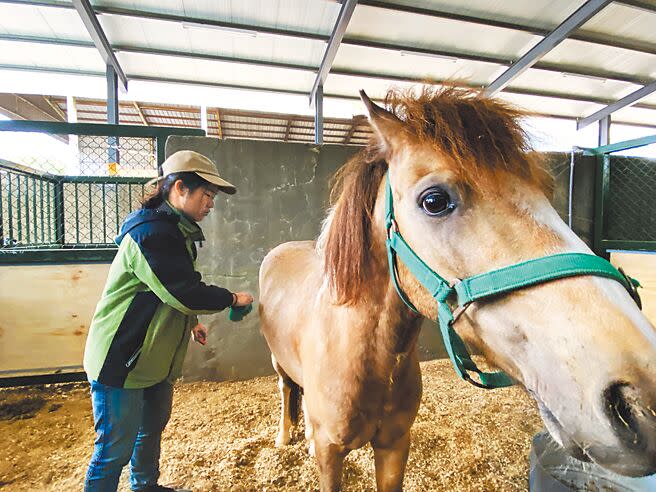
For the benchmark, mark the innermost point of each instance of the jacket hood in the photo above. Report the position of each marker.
(138, 217)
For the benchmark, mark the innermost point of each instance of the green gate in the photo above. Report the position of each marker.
(68, 207)
(625, 205)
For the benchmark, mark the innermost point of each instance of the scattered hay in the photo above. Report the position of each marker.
(221, 437)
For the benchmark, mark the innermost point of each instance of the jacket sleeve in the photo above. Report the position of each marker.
(162, 262)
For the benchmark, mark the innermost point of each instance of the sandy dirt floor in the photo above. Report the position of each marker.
(221, 437)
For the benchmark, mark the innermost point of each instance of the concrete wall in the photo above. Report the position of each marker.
(282, 196)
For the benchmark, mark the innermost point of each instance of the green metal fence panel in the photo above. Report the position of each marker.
(625, 216)
(69, 207)
(23, 207)
(631, 204)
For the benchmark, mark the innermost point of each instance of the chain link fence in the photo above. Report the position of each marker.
(71, 189)
(631, 205)
(625, 211)
(77, 197)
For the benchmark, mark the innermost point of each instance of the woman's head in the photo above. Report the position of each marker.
(189, 182)
(187, 192)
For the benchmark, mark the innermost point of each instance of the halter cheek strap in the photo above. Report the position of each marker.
(483, 286)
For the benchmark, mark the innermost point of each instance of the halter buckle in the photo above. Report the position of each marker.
(458, 312)
(452, 284)
(392, 226)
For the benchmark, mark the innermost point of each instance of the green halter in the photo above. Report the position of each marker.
(485, 285)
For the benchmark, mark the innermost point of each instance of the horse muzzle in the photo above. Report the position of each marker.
(632, 451)
(632, 418)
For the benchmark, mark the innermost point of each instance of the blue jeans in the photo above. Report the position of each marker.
(129, 425)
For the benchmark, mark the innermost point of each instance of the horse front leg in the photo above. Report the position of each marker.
(390, 460)
(330, 458)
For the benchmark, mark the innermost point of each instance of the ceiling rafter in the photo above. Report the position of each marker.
(586, 36)
(218, 123)
(547, 66)
(141, 114)
(90, 21)
(344, 17)
(55, 108)
(584, 13)
(626, 101)
(524, 92)
(233, 119)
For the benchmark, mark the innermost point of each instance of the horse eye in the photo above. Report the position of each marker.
(436, 203)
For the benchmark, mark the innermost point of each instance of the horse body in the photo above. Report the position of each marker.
(468, 198)
(357, 365)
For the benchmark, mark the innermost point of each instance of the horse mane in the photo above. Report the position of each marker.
(481, 139)
(346, 236)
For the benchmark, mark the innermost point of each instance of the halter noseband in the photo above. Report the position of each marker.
(485, 285)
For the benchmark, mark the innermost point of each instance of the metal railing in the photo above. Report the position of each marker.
(625, 209)
(69, 206)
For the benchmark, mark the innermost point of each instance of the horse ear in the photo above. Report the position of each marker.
(385, 124)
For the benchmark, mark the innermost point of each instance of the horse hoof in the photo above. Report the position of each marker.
(282, 441)
(311, 450)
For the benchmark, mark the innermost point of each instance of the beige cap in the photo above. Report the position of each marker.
(185, 161)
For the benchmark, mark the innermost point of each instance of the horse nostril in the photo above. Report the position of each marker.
(622, 407)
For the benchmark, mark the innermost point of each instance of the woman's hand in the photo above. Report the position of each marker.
(199, 334)
(242, 299)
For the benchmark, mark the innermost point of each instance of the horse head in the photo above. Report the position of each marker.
(470, 197)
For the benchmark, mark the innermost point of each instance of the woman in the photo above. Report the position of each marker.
(140, 330)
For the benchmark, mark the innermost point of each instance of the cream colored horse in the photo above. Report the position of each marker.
(469, 197)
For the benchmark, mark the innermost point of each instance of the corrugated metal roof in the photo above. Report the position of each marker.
(543, 12)
(233, 123)
(624, 21)
(38, 21)
(474, 41)
(50, 56)
(421, 31)
(579, 53)
(303, 15)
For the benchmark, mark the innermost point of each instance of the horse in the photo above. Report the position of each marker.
(469, 196)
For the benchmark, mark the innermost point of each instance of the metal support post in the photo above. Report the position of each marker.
(112, 115)
(318, 115)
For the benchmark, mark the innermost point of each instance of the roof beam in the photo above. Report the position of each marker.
(639, 4)
(626, 101)
(550, 67)
(355, 122)
(56, 108)
(141, 114)
(552, 95)
(282, 119)
(589, 37)
(92, 25)
(344, 17)
(28, 107)
(588, 10)
(219, 128)
(205, 23)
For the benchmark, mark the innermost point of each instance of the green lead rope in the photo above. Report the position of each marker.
(485, 285)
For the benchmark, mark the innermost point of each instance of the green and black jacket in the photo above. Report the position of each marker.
(140, 331)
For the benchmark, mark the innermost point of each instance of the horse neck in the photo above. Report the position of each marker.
(392, 330)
